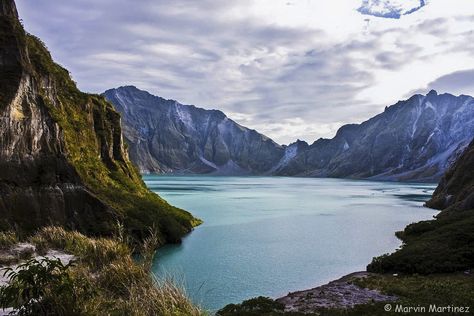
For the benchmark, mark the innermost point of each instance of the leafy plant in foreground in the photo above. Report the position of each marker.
(43, 287)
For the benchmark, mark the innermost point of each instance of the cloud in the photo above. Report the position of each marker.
(457, 83)
(392, 9)
(289, 71)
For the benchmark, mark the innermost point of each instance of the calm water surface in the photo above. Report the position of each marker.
(272, 235)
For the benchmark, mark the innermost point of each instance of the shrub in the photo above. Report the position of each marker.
(44, 287)
(438, 246)
(253, 307)
(122, 285)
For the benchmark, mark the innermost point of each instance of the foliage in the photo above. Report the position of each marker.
(414, 290)
(91, 134)
(122, 286)
(7, 239)
(43, 287)
(95, 253)
(437, 246)
(259, 306)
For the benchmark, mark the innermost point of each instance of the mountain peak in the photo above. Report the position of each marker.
(128, 87)
(432, 93)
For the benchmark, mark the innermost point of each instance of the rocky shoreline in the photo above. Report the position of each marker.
(340, 294)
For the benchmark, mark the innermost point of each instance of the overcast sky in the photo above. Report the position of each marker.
(287, 68)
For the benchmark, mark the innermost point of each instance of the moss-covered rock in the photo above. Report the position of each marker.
(62, 157)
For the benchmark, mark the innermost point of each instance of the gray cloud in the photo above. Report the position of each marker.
(457, 83)
(287, 82)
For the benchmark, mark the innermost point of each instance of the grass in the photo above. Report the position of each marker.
(95, 253)
(109, 281)
(7, 240)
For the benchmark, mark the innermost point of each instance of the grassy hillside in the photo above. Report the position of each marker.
(89, 139)
(102, 279)
(110, 175)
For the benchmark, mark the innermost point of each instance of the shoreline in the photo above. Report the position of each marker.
(341, 293)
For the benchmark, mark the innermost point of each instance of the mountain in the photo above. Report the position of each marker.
(415, 139)
(445, 244)
(166, 136)
(62, 157)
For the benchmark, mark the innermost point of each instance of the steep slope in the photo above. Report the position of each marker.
(445, 244)
(456, 188)
(166, 136)
(414, 139)
(62, 158)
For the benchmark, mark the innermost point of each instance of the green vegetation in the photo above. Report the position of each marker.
(7, 239)
(413, 290)
(91, 135)
(447, 243)
(94, 144)
(437, 246)
(259, 306)
(255, 306)
(102, 280)
(44, 287)
(440, 289)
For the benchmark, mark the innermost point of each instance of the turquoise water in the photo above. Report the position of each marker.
(272, 235)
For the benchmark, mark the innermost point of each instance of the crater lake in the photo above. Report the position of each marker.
(273, 235)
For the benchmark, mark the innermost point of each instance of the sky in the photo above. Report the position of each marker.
(291, 69)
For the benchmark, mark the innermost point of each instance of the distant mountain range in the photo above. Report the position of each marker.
(166, 136)
(416, 139)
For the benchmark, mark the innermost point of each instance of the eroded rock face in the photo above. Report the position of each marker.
(456, 188)
(38, 186)
(62, 155)
(166, 136)
(416, 139)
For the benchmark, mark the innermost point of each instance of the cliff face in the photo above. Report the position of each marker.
(456, 188)
(62, 157)
(166, 136)
(416, 139)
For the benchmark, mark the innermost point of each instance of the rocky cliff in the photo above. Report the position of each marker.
(415, 139)
(456, 188)
(166, 136)
(62, 157)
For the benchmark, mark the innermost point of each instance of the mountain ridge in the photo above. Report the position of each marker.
(167, 136)
(412, 140)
